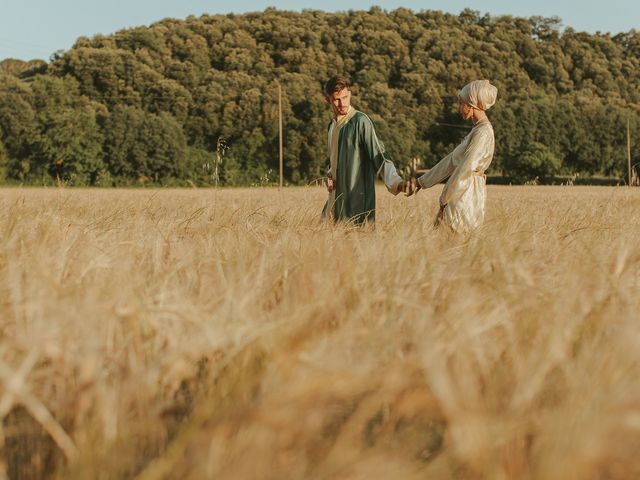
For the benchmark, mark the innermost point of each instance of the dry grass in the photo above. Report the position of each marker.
(228, 334)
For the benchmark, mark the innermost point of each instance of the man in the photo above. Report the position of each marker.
(356, 158)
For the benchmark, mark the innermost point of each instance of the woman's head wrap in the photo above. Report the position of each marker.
(479, 94)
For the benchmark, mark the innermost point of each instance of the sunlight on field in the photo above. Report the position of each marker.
(229, 334)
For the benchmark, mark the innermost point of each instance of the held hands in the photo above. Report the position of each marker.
(409, 187)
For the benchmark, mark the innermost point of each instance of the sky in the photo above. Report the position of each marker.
(31, 29)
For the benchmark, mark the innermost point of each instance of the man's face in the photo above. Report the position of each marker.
(340, 101)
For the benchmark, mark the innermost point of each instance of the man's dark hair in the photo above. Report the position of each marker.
(335, 84)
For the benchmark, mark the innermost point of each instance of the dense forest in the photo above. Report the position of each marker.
(152, 105)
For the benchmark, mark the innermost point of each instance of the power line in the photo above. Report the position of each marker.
(466, 127)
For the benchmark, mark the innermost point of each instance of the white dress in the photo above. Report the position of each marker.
(464, 193)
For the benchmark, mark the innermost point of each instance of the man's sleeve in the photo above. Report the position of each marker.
(382, 164)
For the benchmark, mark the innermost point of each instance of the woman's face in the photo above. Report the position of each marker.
(465, 110)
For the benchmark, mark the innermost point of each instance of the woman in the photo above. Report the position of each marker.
(462, 199)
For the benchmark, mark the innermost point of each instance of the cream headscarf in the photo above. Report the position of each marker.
(479, 94)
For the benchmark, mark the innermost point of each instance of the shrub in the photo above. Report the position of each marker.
(533, 161)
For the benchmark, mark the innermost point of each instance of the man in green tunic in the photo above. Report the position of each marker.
(357, 157)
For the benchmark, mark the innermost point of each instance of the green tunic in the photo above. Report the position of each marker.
(360, 158)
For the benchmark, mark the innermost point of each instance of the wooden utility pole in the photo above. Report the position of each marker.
(629, 153)
(280, 127)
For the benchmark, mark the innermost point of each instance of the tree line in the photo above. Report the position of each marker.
(148, 105)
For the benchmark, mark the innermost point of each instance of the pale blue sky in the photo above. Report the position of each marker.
(37, 28)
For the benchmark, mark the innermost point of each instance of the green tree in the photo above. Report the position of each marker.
(22, 69)
(17, 125)
(68, 139)
(144, 147)
(535, 161)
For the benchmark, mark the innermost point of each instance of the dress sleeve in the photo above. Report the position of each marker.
(462, 175)
(437, 174)
(376, 152)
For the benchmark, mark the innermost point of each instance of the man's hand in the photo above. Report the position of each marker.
(330, 184)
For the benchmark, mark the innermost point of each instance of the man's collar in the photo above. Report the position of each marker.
(337, 119)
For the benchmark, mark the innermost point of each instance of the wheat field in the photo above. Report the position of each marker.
(229, 334)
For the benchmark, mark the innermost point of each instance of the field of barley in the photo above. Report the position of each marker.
(229, 334)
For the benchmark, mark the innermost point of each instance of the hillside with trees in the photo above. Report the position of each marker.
(148, 105)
